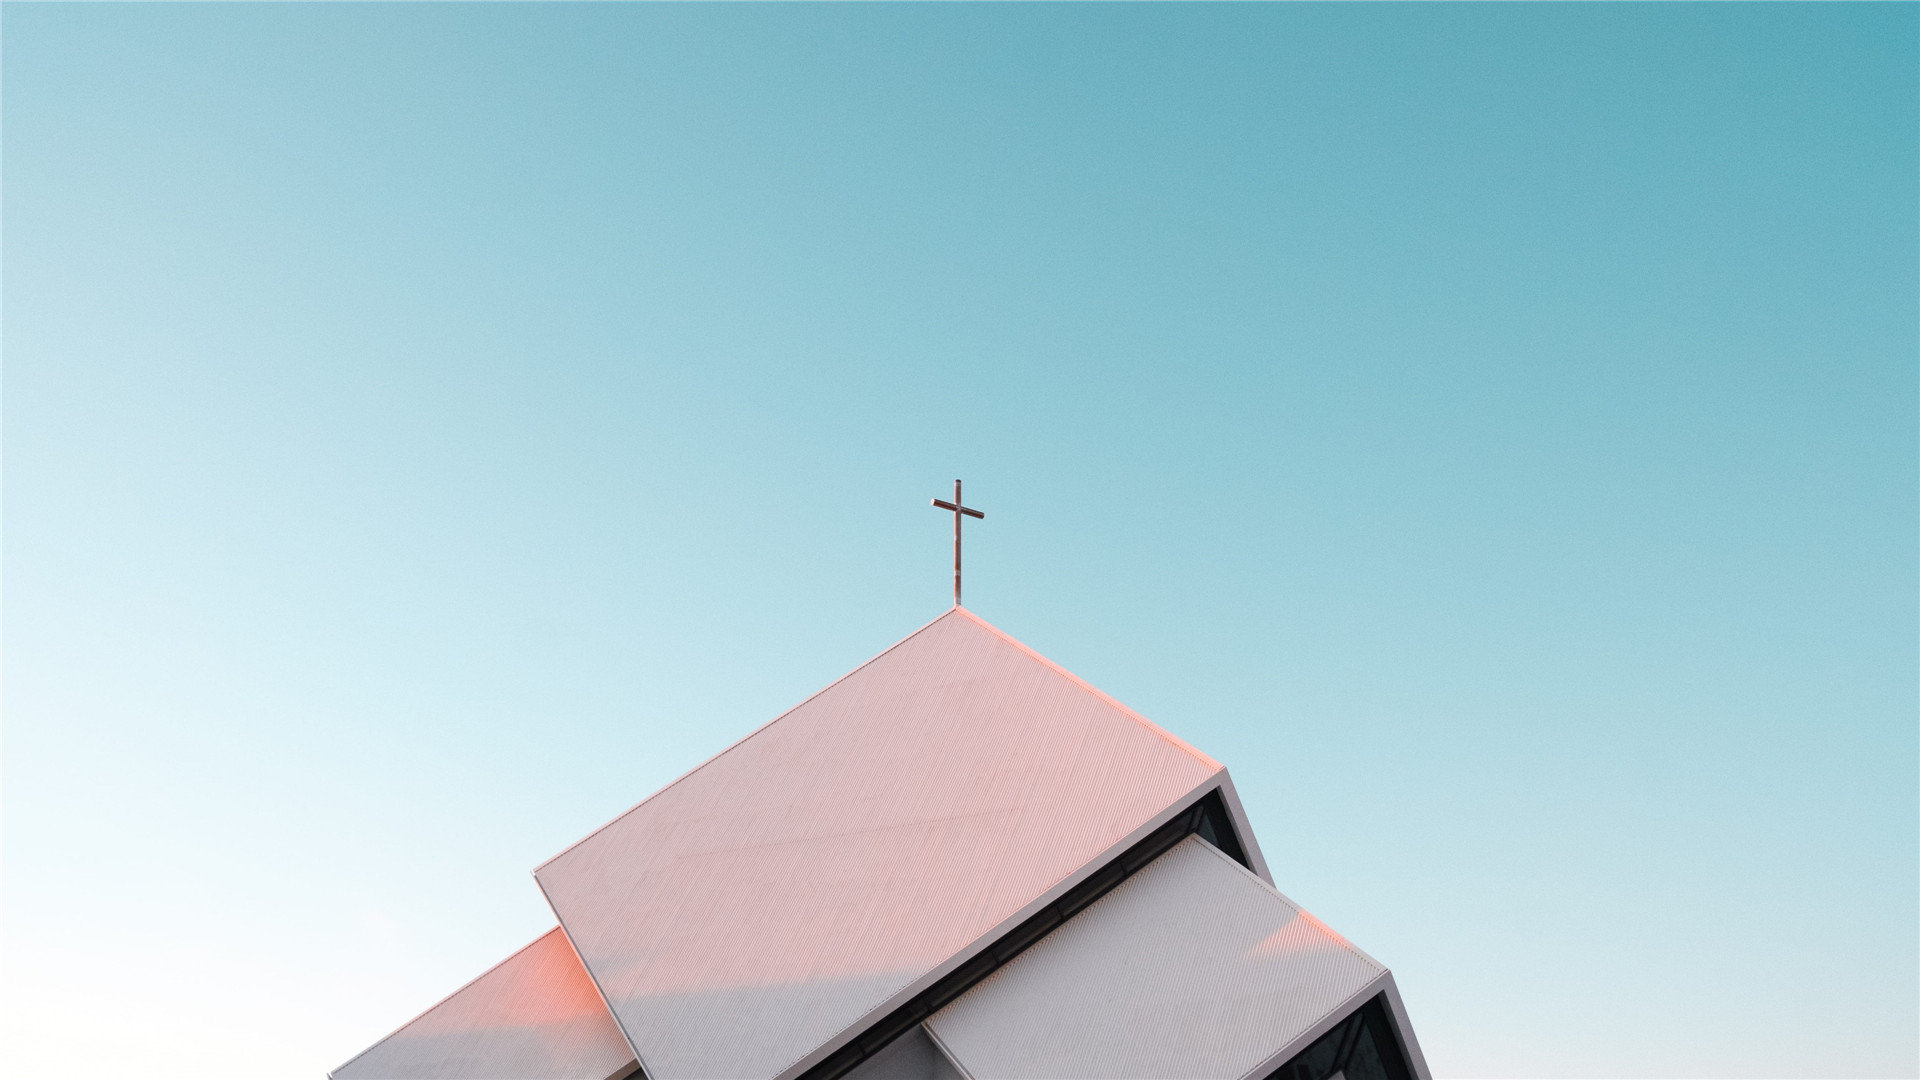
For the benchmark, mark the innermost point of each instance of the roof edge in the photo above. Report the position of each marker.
(1098, 694)
(1311, 918)
(463, 988)
(562, 853)
(619, 1025)
(1375, 986)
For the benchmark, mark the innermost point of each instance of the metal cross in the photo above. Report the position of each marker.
(958, 510)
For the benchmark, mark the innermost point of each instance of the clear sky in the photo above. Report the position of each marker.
(1490, 430)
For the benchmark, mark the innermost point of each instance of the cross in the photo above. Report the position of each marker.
(958, 510)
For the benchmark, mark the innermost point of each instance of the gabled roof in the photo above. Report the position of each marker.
(533, 1016)
(750, 917)
(1193, 967)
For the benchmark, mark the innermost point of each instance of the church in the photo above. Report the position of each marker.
(958, 861)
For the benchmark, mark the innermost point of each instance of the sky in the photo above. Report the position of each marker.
(1489, 430)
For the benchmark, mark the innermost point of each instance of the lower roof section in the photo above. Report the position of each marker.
(1191, 968)
(533, 1016)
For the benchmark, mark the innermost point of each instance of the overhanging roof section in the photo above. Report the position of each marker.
(819, 872)
(533, 1016)
(1191, 968)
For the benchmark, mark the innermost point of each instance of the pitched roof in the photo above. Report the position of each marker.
(533, 1016)
(749, 917)
(1193, 967)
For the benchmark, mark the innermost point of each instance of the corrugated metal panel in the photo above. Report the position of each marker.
(748, 915)
(534, 1016)
(1191, 968)
(910, 1057)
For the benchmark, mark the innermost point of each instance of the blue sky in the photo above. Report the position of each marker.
(1490, 430)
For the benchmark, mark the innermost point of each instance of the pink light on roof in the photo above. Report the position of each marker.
(745, 917)
(534, 1016)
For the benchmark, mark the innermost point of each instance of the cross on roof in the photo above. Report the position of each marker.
(958, 511)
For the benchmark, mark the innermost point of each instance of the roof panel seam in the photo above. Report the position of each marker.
(618, 1024)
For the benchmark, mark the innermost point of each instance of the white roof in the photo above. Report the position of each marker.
(1192, 967)
(533, 1016)
(753, 915)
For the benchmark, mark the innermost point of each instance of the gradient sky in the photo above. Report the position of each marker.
(1490, 430)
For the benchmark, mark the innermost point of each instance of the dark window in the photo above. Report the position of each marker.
(1364, 1046)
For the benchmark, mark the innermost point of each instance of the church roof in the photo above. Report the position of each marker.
(533, 1016)
(753, 915)
(1192, 967)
